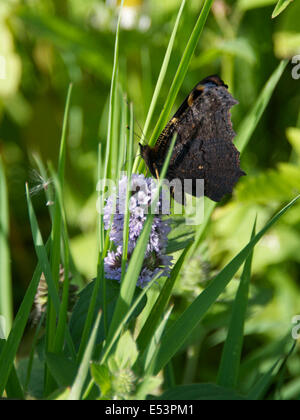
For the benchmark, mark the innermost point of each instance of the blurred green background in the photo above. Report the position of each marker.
(48, 43)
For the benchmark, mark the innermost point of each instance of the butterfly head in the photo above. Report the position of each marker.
(147, 155)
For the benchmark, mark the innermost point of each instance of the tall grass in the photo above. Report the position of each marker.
(5, 270)
(105, 343)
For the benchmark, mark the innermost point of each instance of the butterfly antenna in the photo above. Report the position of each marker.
(135, 133)
(141, 136)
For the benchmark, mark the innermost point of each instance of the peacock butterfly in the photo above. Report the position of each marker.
(204, 146)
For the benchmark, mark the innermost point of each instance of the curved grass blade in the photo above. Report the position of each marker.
(150, 354)
(158, 309)
(231, 356)
(127, 213)
(125, 319)
(112, 98)
(249, 124)
(77, 387)
(109, 347)
(63, 314)
(280, 7)
(260, 389)
(105, 172)
(161, 78)
(188, 321)
(57, 219)
(181, 71)
(163, 70)
(13, 387)
(9, 351)
(55, 251)
(5, 271)
(44, 263)
(56, 242)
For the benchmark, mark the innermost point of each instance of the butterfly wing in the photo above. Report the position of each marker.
(204, 148)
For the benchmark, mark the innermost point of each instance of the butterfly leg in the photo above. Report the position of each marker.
(156, 171)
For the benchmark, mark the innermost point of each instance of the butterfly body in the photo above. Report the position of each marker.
(204, 146)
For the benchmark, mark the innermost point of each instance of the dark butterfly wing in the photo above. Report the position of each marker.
(165, 137)
(204, 148)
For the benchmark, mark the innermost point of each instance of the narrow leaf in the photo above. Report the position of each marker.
(188, 321)
(77, 387)
(231, 356)
(11, 346)
(182, 70)
(158, 309)
(5, 271)
(249, 124)
(161, 77)
(280, 7)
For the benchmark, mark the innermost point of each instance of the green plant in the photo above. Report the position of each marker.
(120, 338)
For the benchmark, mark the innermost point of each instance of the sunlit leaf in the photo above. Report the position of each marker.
(280, 7)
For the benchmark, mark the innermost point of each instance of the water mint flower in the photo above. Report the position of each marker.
(142, 192)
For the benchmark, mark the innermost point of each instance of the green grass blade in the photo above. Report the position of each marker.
(158, 309)
(185, 324)
(261, 387)
(41, 252)
(127, 213)
(105, 174)
(100, 229)
(161, 78)
(231, 356)
(149, 356)
(63, 143)
(32, 352)
(77, 387)
(125, 319)
(55, 251)
(5, 272)
(123, 132)
(109, 347)
(100, 280)
(181, 71)
(112, 99)
(163, 71)
(56, 226)
(263, 384)
(117, 105)
(13, 387)
(249, 124)
(280, 7)
(90, 315)
(63, 314)
(11, 346)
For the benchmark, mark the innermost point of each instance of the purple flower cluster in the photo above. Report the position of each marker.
(142, 192)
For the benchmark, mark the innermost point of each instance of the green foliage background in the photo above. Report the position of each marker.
(49, 43)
